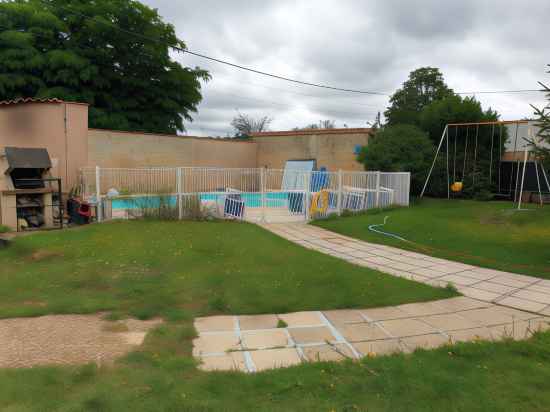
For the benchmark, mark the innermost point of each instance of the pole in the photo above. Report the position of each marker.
(377, 201)
(179, 193)
(538, 182)
(448, 186)
(339, 192)
(433, 163)
(306, 195)
(262, 188)
(99, 207)
(522, 177)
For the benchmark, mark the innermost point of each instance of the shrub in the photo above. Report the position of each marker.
(400, 148)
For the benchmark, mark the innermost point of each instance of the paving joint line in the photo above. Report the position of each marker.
(339, 337)
(249, 363)
(510, 294)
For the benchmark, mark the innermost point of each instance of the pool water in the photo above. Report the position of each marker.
(276, 199)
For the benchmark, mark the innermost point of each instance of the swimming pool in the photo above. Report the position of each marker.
(273, 199)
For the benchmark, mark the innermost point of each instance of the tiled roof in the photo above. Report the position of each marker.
(314, 131)
(29, 100)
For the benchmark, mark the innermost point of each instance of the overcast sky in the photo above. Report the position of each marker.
(360, 44)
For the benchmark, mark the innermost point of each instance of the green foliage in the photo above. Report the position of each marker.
(401, 148)
(74, 50)
(541, 146)
(4, 229)
(424, 86)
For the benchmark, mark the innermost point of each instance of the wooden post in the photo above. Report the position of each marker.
(99, 207)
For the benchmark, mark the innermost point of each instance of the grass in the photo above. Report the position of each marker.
(162, 377)
(180, 270)
(183, 269)
(487, 234)
(4, 229)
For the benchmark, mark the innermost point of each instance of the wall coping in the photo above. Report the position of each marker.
(179, 136)
(309, 132)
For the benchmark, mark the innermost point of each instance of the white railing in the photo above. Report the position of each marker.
(251, 194)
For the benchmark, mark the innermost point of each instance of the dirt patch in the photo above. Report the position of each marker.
(68, 339)
(42, 254)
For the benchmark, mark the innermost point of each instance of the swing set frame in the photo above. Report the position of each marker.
(494, 124)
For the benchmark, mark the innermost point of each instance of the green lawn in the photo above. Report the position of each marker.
(488, 234)
(4, 229)
(179, 270)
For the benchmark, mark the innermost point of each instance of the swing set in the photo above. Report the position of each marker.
(456, 173)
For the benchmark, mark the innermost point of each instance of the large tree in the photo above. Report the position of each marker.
(423, 86)
(244, 125)
(112, 54)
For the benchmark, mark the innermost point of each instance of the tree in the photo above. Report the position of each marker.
(245, 125)
(323, 124)
(541, 145)
(401, 148)
(112, 54)
(424, 86)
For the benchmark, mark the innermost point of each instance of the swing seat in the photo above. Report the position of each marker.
(457, 187)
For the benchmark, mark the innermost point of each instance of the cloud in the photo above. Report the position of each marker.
(367, 45)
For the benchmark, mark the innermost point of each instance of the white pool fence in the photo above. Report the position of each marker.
(259, 194)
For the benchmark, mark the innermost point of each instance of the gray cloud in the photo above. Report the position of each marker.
(367, 45)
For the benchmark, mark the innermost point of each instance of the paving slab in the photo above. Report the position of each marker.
(379, 348)
(522, 304)
(264, 339)
(468, 335)
(318, 334)
(231, 361)
(250, 322)
(422, 309)
(275, 358)
(341, 316)
(430, 341)
(358, 332)
(384, 313)
(216, 343)
(301, 319)
(406, 327)
(449, 322)
(323, 353)
(215, 324)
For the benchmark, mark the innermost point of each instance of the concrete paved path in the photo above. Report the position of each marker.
(256, 343)
(508, 289)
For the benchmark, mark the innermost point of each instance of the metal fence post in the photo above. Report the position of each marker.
(178, 193)
(306, 195)
(377, 198)
(99, 208)
(262, 188)
(339, 207)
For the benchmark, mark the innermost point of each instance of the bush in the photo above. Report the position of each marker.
(400, 148)
(4, 229)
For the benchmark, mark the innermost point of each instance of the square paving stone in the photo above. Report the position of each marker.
(341, 316)
(449, 321)
(427, 272)
(494, 315)
(406, 327)
(311, 335)
(422, 309)
(380, 261)
(479, 294)
(461, 303)
(475, 274)
(494, 287)
(264, 339)
(358, 332)
(522, 304)
(458, 279)
(509, 281)
(231, 361)
(301, 319)
(450, 268)
(324, 353)
(430, 341)
(215, 343)
(469, 335)
(384, 313)
(215, 324)
(251, 322)
(275, 358)
(533, 296)
(379, 347)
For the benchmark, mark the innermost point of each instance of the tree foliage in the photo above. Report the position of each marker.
(112, 54)
(401, 148)
(423, 86)
(541, 144)
(245, 125)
